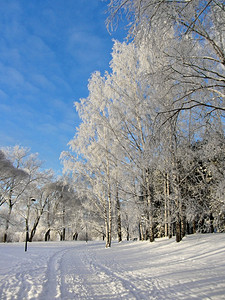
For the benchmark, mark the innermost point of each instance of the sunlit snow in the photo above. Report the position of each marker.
(192, 269)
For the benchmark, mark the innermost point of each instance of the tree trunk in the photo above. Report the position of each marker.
(128, 233)
(167, 212)
(183, 226)
(32, 233)
(178, 228)
(127, 228)
(211, 223)
(63, 234)
(37, 220)
(165, 207)
(118, 213)
(141, 233)
(177, 206)
(109, 206)
(5, 236)
(110, 219)
(47, 235)
(146, 230)
(149, 207)
(194, 227)
(178, 218)
(106, 226)
(170, 234)
(75, 236)
(151, 234)
(33, 230)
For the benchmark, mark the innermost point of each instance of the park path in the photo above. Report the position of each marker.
(163, 270)
(78, 273)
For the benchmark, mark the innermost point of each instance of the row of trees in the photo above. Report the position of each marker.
(149, 153)
(148, 157)
(33, 202)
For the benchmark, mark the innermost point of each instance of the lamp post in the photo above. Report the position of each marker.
(29, 203)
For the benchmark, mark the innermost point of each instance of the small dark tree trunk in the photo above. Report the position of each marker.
(146, 234)
(150, 201)
(5, 236)
(170, 229)
(75, 236)
(119, 229)
(151, 234)
(178, 229)
(178, 210)
(194, 227)
(33, 231)
(47, 235)
(106, 235)
(64, 234)
(183, 226)
(128, 232)
(188, 228)
(178, 223)
(211, 223)
(166, 204)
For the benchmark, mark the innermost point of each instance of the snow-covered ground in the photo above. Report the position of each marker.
(192, 269)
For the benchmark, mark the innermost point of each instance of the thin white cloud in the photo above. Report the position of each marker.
(47, 128)
(3, 95)
(10, 76)
(4, 108)
(42, 82)
(86, 46)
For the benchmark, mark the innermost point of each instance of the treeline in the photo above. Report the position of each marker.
(149, 153)
(34, 202)
(148, 157)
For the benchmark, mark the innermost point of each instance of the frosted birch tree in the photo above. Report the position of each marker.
(142, 119)
(92, 143)
(199, 28)
(116, 138)
(194, 72)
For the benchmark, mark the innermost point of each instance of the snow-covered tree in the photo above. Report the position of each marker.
(136, 144)
(18, 190)
(200, 56)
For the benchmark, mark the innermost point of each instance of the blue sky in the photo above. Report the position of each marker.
(48, 50)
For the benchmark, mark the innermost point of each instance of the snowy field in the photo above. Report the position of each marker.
(192, 269)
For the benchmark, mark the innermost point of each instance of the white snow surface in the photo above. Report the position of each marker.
(164, 269)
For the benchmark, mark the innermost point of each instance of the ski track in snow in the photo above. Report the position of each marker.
(74, 274)
(192, 269)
